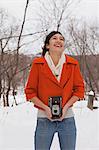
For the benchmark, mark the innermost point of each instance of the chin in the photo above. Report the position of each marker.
(59, 52)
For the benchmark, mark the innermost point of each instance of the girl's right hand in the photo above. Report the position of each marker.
(48, 113)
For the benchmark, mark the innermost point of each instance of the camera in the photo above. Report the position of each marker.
(55, 103)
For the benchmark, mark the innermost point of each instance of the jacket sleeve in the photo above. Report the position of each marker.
(78, 84)
(32, 82)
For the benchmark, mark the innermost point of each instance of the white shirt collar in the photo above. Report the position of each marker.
(56, 70)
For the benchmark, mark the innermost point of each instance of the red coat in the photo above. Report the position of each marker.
(43, 84)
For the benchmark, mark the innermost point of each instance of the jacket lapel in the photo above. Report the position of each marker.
(66, 71)
(65, 75)
(48, 73)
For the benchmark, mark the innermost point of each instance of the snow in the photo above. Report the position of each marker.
(17, 127)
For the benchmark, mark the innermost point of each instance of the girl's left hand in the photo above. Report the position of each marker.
(64, 111)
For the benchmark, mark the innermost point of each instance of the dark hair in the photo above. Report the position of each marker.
(47, 41)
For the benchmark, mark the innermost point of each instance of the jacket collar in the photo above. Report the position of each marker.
(66, 71)
(69, 60)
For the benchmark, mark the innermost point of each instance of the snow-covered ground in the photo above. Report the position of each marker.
(17, 127)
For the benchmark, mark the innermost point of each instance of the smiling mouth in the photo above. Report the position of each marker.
(58, 46)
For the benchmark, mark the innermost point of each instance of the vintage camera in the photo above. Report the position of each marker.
(55, 103)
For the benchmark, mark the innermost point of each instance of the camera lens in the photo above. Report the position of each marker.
(55, 111)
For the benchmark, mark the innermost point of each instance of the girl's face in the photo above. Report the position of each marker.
(56, 44)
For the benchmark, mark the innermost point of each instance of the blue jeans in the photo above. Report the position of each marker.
(46, 129)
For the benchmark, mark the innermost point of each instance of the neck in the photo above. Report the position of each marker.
(55, 57)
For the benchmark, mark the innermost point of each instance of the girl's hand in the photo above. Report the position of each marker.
(48, 113)
(64, 110)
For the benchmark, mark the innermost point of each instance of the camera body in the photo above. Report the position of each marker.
(55, 103)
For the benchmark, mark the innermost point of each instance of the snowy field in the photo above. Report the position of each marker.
(17, 126)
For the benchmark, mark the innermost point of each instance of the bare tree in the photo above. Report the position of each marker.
(11, 41)
(9, 64)
(53, 14)
(84, 40)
